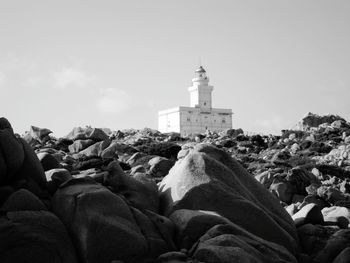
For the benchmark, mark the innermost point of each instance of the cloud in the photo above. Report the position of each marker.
(71, 77)
(113, 101)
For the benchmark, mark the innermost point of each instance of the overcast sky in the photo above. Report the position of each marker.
(117, 63)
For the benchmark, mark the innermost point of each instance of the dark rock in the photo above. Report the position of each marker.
(23, 200)
(48, 161)
(310, 213)
(142, 195)
(100, 222)
(34, 236)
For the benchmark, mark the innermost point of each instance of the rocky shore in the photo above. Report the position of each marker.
(142, 196)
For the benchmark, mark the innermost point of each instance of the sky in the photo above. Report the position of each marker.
(117, 63)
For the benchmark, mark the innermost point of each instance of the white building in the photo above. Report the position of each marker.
(200, 116)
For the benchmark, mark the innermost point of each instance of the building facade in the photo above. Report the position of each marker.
(200, 116)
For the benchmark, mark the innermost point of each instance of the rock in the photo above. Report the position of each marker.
(159, 166)
(55, 177)
(284, 191)
(23, 200)
(330, 194)
(230, 243)
(48, 161)
(192, 224)
(310, 213)
(137, 169)
(311, 120)
(79, 133)
(337, 214)
(11, 153)
(32, 172)
(79, 145)
(142, 195)
(265, 178)
(156, 243)
(335, 245)
(34, 236)
(39, 134)
(100, 222)
(313, 238)
(96, 149)
(172, 257)
(209, 179)
(343, 257)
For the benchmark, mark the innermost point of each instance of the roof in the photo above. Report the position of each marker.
(200, 70)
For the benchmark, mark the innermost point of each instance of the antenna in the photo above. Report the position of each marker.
(199, 62)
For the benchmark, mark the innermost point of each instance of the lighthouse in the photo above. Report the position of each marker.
(200, 116)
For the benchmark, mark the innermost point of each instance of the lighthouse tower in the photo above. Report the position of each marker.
(200, 116)
(200, 92)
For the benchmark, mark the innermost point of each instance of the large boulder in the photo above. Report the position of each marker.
(101, 223)
(96, 149)
(48, 161)
(39, 134)
(140, 194)
(209, 179)
(79, 145)
(11, 153)
(79, 133)
(230, 243)
(160, 166)
(23, 200)
(19, 165)
(34, 236)
(311, 120)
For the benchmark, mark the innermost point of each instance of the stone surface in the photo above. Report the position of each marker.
(34, 236)
(101, 223)
(209, 179)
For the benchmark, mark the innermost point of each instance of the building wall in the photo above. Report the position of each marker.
(169, 121)
(195, 120)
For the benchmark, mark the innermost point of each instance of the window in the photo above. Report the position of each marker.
(188, 119)
(205, 103)
(223, 121)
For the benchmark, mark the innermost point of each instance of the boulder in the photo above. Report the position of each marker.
(79, 133)
(230, 243)
(337, 214)
(157, 244)
(284, 191)
(313, 238)
(343, 257)
(11, 153)
(32, 172)
(209, 179)
(55, 177)
(339, 241)
(39, 134)
(34, 236)
(23, 200)
(48, 161)
(142, 195)
(160, 166)
(101, 223)
(192, 224)
(96, 149)
(310, 213)
(79, 145)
